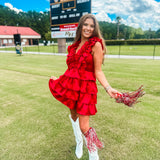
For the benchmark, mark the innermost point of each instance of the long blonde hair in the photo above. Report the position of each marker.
(96, 32)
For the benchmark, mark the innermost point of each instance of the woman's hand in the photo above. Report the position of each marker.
(53, 77)
(113, 92)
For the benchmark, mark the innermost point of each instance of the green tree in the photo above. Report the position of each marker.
(158, 33)
(40, 22)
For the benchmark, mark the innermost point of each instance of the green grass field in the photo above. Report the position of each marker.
(138, 50)
(34, 126)
(49, 49)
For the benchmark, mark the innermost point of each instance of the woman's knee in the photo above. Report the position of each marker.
(84, 123)
(74, 115)
(83, 128)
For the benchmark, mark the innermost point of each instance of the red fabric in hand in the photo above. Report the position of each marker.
(130, 98)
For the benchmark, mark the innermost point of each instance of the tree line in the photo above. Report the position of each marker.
(40, 22)
(110, 31)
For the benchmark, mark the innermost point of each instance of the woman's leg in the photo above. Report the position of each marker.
(90, 136)
(77, 132)
(74, 114)
(84, 123)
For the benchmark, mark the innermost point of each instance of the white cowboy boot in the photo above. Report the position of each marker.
(93, 155)
(92, 143)
(78, 137)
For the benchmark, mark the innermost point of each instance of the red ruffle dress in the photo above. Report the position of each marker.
(77, 88)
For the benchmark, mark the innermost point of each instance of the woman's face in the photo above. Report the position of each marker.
(87, 28)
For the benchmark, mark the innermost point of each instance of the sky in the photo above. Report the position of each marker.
(143, 14)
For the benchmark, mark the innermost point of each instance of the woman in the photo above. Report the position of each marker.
(77, 88)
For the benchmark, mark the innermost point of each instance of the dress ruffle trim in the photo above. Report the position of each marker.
(86, 48)
(86, 109)
(66, 101)
(83, 95)
(80, 74)
(86, 104)
(91, 43)
(84, 86)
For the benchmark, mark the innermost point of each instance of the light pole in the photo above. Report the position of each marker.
(118, 19)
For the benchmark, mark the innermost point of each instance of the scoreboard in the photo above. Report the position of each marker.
(65, 15)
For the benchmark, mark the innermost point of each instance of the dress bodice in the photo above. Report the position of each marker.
(83, 59)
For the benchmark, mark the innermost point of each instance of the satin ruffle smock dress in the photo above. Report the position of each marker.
(77, 88)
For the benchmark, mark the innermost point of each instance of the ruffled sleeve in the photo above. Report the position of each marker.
(92, 42)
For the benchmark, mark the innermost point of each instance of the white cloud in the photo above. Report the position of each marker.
(41, 12)
(135, 13)
(10, 6)
(47, 9)
(102, 16)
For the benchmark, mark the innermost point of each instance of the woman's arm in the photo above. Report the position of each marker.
(53, 77)
(98, 58)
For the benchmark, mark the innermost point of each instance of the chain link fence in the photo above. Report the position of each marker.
(129, 50)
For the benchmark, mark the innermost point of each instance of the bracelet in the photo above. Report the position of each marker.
(107, 88)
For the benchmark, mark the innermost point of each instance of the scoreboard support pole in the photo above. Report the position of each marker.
(61, 45)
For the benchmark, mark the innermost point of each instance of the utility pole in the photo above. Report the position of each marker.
(118, 19)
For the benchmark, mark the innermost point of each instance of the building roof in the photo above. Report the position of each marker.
(11, 30)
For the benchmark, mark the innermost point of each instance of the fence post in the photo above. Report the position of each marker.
(154, 51)
(38, 49)
(26, 48)
(119, 50)
(53, 47)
